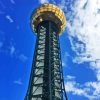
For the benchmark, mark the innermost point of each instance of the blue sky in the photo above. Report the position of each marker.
(79, 47)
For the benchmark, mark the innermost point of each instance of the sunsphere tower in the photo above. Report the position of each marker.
(46, 79)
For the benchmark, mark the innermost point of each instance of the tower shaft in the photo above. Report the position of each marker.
(46, 79)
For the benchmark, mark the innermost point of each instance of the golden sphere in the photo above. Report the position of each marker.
(48, 12)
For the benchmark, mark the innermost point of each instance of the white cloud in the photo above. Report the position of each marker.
(85, 26)
(12, 50)
(71, 86)
(43, 1)
(9, 18)
(63, 63)
(95, 86)
(18, 82)
(64, 59)
(84, 33)
(69, 77)
(96, 67)
(90, 90)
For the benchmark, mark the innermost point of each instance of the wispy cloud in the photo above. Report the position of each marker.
(64, 64)
(62, 4)
(84, 33)
(18, 82)
(22, 57)
(64, 59)
(90, 90)
(12, 51)
(43, 1)
(85, 30)
(12, 1)
(9, 18)
(95, 65)
(69, 77)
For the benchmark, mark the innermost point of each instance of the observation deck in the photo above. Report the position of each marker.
(48, 12)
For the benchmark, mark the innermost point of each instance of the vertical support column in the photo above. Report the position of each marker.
(55, 67)
(50, 67)
(35, 89)
(46, 83)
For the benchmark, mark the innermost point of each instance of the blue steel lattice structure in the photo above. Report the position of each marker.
(46, 79)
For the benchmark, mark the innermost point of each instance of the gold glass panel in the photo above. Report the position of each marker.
(56, 15)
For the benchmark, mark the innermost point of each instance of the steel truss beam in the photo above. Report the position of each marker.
(46, 79)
